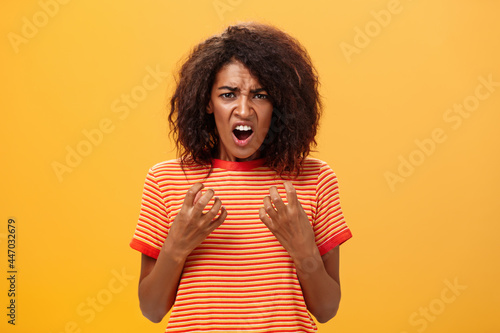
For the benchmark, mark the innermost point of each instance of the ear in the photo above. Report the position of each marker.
(210, 107)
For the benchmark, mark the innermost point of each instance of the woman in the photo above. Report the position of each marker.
(242, 232)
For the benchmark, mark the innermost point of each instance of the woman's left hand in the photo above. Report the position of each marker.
(289, 223)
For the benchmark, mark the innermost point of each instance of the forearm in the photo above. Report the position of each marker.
(321, 291)
(158, 290)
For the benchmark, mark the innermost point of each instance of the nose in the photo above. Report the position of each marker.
(244, 108)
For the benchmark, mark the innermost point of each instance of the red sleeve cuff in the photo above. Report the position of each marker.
(144, 248)
(335, 241)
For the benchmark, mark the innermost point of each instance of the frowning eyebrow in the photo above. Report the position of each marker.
(253, 91)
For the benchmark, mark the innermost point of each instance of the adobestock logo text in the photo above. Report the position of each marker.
(31, 25)
(455, 116)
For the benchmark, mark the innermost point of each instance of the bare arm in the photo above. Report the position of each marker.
(158, 283)
(159, 278)
(320, 282)
(318, 276)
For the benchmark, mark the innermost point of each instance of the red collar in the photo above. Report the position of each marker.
(238, 166)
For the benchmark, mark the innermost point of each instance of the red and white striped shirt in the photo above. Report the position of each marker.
(240, 279)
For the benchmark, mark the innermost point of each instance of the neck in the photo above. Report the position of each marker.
(223, 155)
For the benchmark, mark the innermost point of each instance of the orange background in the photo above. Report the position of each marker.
(424, 213)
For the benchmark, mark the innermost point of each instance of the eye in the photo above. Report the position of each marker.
(261, 96)
(228, 95)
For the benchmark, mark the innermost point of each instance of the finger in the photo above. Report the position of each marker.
(276, 198)
(291, 194)
(203, 201)
(264, 218)
(198, 196)
(214, 210)
(192, 193)
(268, 206)
(218, 221)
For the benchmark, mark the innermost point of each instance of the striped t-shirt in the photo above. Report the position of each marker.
(240, 279)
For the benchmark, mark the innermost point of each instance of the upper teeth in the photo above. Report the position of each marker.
(243, 128)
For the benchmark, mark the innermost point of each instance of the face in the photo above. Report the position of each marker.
(242, 111)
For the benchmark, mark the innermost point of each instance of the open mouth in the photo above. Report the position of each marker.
(242, 132)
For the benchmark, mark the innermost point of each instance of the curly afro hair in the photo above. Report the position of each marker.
(281, 64)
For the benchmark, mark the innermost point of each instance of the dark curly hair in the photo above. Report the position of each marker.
(281, 64)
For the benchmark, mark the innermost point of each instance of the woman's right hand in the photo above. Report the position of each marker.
(191, 226)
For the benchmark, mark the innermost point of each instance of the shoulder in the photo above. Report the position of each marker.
(320, 171)
(164, 166)
(311, 164)
(175, 165)
(170, 172)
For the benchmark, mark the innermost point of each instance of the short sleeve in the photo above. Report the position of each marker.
(152, 227)
(329, 226)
